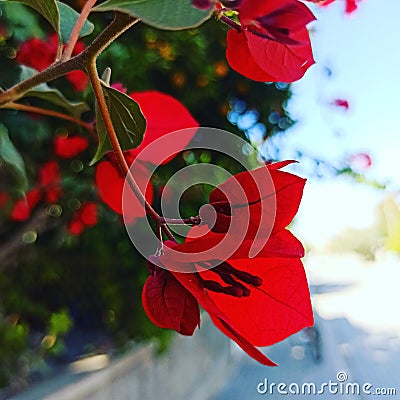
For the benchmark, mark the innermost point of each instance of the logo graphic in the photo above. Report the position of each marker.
(235, 207)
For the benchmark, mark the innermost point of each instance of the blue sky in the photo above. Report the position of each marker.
(363, 53)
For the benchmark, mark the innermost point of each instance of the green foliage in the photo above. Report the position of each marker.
(61, 17)
(47, 8)
(383, 234)
(13, 344)
(390, 213)
(52, 95)
(360, 178)
(68, 17)
(24, 22)
(12, 158)
(60, 323)
(162, 14)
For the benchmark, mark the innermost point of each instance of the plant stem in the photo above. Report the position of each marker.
(80, 22)
(102, 104)
(123, 165)
(119, 25)
(184, 221)
(229, 22)
(44, 111)
(284, 39)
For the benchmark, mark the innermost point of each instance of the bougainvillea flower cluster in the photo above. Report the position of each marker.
(86, 216)
(351, 5)
(272, 43)
(70, 146)
(255, 301)
(48, 188)
(39, 54)
(48, 185)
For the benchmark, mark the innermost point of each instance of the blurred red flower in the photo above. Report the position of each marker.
(4, 197)
(86, 216)
(39, 54)
(22, 208)
(48, 188)
(70, 146)
(351, 5)
(341, 103)
(360, 162)
(49, 180)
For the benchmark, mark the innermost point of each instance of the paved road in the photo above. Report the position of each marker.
(357, 304)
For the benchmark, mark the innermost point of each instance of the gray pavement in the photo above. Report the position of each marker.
(360, 340)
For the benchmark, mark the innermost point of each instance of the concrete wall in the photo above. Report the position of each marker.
(193, 368)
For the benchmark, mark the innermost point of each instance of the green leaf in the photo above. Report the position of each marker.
(61, 17)
(53, 96)
(60, 323)
(68, 17)
(162, 14)
(25, 23)
(10, 156)
(47, 8)
(127, 118)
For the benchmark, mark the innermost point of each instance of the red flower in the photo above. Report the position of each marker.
(360, 161)
(85, 216)
(71, 146)
(3, 199)
(119, 86)
(49, 187)
(351, 5)
(39, 54)
(78, 79)
(202, 4)
(22, 209)
(272, 43)
(256, 301)
(36, 53)
(164, 115)
(265, 200)
(50, 181)
(341, 103)
(110, 184)
(168, 304)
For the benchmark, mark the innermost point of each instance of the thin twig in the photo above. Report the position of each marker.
(123, 165)
(119, 25)
(80, 22)
(179, 221)
(51, 113)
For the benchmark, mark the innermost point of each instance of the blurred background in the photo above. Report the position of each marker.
(68, 294)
